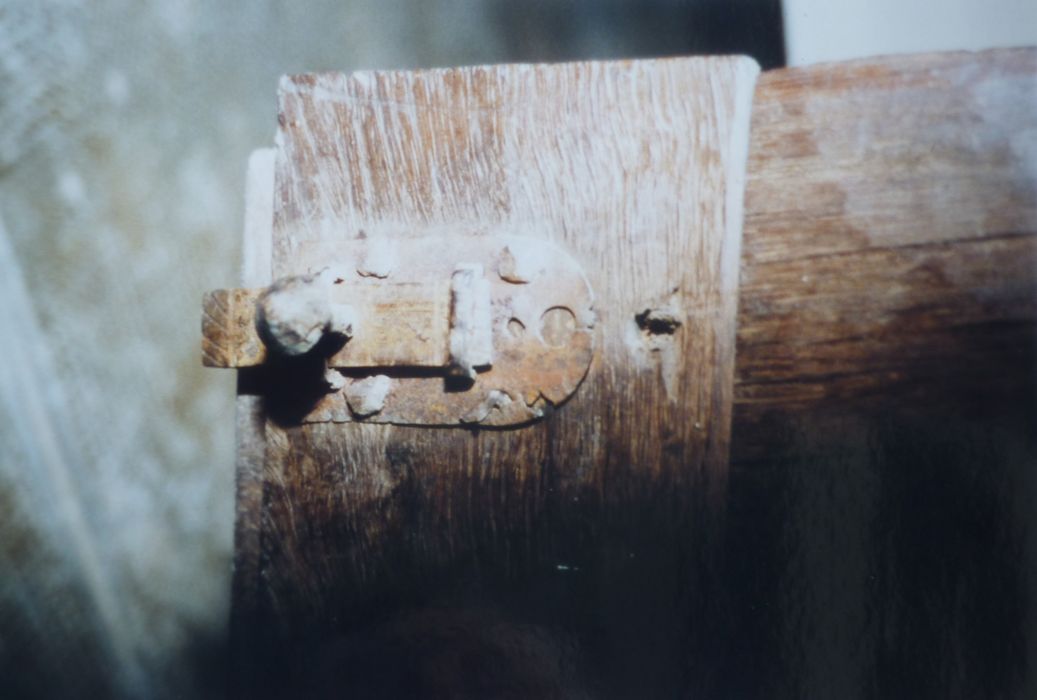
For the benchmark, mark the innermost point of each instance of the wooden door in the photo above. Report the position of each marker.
(568, 557)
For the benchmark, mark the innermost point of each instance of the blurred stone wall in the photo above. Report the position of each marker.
(126, 126)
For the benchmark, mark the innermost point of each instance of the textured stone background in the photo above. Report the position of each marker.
(126, 126)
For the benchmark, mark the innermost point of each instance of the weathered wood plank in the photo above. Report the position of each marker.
(883, 443)
(890, 227)
(585, 532)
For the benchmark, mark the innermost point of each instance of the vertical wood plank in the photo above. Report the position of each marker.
(589, 530)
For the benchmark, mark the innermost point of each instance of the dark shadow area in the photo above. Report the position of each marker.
(879, 545)
(881, 556)
(290, 386)
(590, 602)
(544, 30)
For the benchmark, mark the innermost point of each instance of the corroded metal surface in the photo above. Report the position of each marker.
(514, 314)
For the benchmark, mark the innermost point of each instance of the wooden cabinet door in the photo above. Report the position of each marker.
(567, 558)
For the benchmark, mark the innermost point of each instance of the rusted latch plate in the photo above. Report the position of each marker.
(443, 330)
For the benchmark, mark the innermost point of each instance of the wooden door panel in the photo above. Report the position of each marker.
(414, 559)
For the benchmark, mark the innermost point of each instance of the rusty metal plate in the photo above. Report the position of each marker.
(531, 330)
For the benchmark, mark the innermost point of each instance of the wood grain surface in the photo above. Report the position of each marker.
(873, 539)
(556, 559)
(883, 457)
(891, 207)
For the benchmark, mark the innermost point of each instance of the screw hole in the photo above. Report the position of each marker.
(557, 326)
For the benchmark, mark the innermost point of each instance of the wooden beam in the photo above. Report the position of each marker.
(890, 235)
(883, 450)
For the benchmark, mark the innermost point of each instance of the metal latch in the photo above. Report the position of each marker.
(437, 330)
